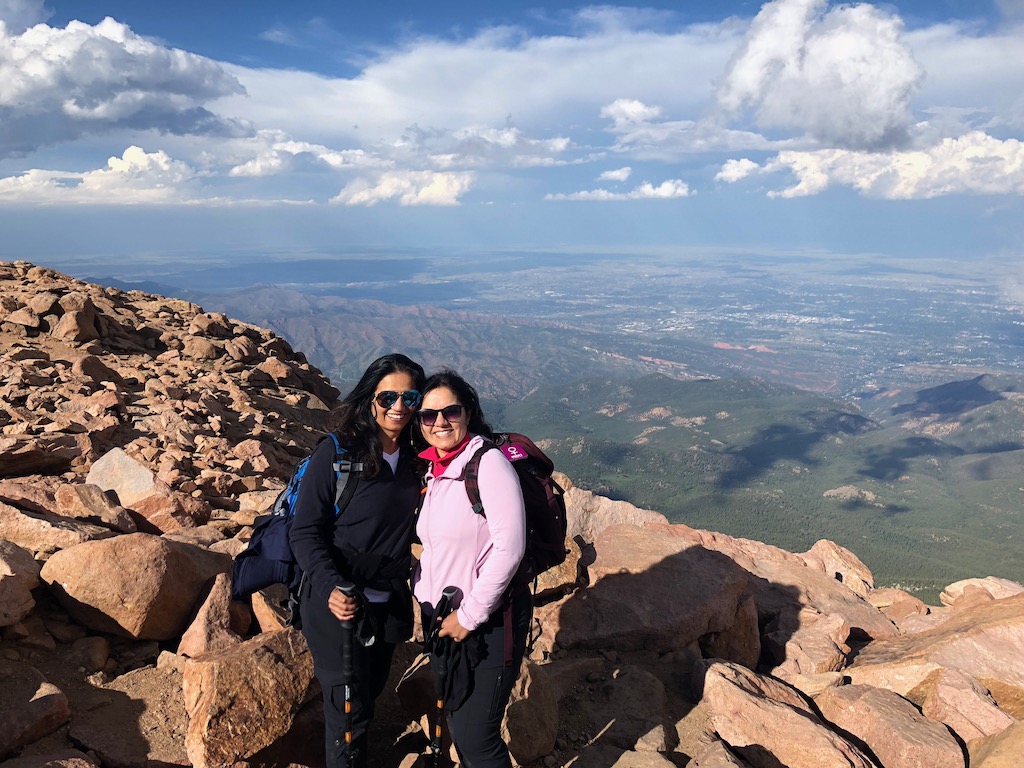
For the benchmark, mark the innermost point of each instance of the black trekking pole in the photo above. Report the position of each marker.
(348, 632)
(440, 660)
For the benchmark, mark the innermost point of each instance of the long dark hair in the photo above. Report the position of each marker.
(466, 395)
(357, 429)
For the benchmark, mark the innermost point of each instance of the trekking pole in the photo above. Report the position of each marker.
(347, 633)
(444, 607)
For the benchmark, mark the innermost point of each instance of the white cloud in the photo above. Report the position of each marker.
(478, 147)
(60, 84)
(19, 15)
(973, 164)
(408, 187)
(620, 174)
(734, 170)
(273, 153)
(667, 190)
(845, 75)
(137, 177)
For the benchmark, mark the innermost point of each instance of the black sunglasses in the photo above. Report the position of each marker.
(450, 413)
(411, 397)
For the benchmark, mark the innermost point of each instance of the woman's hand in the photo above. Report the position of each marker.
(451, 627)
(343, 607)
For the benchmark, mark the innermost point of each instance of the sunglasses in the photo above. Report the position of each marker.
(411, 397)
(451, 413)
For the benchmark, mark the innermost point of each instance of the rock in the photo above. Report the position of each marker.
(37, 455)
(44, 533)
(716, 756)
(963, 704)
(244, 698)
(768, 723)
(891, 727)
(983, 641)
(131, 480)
(989, 588)
(90, 653)
(135, 585)
(1000, 751)
(587, 514)
(811, 645)
(644, 593)
(841, 564)
(531, 719)
(211, 629)
(93, 368)
(30, 707)
(170, 511)
(89, 502)
(782, 583)
(19, 575)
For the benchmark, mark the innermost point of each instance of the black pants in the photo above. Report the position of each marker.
(370, 668)
(476, 725)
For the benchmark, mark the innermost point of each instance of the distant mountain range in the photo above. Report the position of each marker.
(924, 485)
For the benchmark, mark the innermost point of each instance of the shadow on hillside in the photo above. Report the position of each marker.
(893, 460)
(640, 631)
(954, 398)
(769, 446)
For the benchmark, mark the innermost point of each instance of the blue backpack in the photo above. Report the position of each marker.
(268, 558)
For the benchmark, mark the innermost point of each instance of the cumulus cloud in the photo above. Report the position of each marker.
(408, 188)
(667, 190)
(620, 174)
(975, 164)
(19, 15)
(845, 75)
(275, 153)
(61, 84)
(734, 170)
(137, 177)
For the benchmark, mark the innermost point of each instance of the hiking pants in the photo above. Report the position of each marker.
(476, 725)
(370, 668)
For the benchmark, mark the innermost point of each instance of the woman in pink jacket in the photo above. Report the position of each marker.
(478, 554)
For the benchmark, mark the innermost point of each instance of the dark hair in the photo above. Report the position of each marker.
(466, 396)
(357, 429)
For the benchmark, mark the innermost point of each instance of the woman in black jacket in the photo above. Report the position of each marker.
(356, 563)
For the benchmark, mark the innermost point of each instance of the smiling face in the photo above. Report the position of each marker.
(392, 420)
(444, 435)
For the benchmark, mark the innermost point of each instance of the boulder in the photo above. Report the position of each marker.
(1000, 751)
(891, 727)
(651, 590)
(983, 641)
(30, 706)
(211, 629)
(46, 533)
(89, 502)
(588, 514)
(130, 479)
(19, 575)
(841, 564)
(531, 718)
(242, 699)
(769, 724)
(135, 585)
(963, 704)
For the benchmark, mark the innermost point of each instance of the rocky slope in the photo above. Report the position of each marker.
(139, 438)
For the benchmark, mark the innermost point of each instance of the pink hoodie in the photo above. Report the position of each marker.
(479, 554)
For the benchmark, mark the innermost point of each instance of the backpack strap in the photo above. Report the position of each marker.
(346, 477)
(471, 477)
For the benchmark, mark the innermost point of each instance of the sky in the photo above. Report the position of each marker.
(190, 130)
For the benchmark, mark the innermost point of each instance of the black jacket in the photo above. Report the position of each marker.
(369, 544)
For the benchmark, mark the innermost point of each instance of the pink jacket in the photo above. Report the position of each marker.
(479, 554)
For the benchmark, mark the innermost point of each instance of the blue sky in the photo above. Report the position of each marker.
(133, 129)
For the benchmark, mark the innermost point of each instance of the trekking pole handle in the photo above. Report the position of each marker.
(348, 589)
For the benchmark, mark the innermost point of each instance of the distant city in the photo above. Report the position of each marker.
(843, 327)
